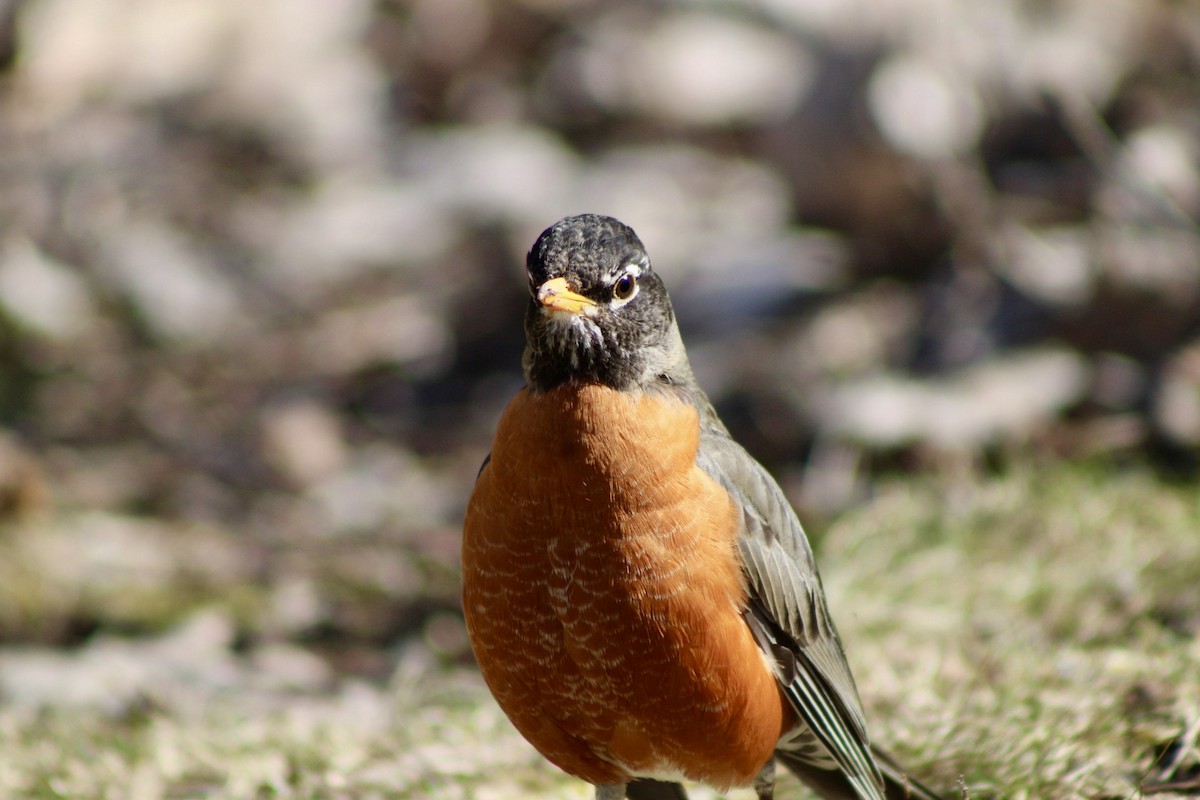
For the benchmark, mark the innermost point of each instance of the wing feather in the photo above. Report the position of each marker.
(789, 616)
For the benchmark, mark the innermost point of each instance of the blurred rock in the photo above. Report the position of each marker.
(135, 51)
(924, 111)
(693, 68)
(684, 201)
(860, 333)
(348, 227)
(77, 571)
(303, 440)
(296, 606)
(284, 667)
(380, 484)
(42, 294)
(449, 32)
(403, 329)
(175, 288)
(1054, 265)
(1177, 399)
(1162, 261)
(1165, 158)
(297, 72)
(107, 554)
(495, 173)
(292, 72)
(1078, 51)
(1002, 399)
(180, 671)
(114, 674)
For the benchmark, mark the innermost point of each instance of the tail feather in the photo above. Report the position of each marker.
(832, 784)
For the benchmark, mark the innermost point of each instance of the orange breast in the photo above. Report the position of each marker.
(602, 593)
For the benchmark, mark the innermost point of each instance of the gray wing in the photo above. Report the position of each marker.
(788, 614)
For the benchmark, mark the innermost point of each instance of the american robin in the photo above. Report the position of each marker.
(641, 598)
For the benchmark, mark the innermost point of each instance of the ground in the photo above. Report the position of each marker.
(1030, 635)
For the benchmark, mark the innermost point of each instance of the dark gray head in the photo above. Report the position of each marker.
(598, 313)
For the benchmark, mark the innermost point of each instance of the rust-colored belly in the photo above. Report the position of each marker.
(602, 593)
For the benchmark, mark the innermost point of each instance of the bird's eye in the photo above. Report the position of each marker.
(625, 286)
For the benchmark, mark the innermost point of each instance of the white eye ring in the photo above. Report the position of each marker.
(625, 288)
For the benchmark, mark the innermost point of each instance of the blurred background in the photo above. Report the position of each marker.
(261, 281)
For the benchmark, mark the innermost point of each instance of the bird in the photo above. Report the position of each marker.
(639, 595)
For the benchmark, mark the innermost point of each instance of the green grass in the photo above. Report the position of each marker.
(1032, 636)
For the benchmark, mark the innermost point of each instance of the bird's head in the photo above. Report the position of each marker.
(598, 312)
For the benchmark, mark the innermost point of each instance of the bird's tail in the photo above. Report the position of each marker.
(832, 784)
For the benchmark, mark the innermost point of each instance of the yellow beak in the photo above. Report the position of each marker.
(555, 296)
